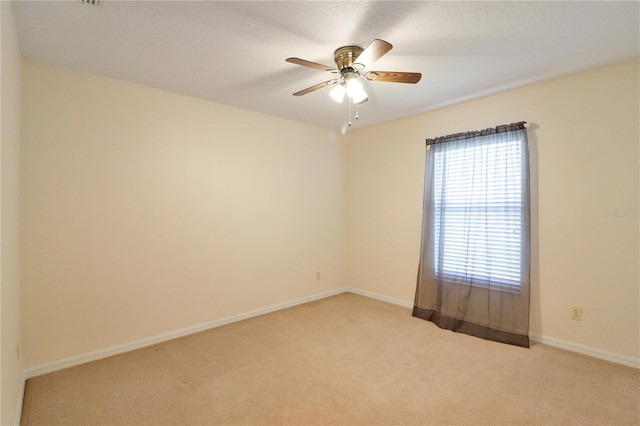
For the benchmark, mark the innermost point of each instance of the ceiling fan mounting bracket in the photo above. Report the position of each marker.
(346, 55)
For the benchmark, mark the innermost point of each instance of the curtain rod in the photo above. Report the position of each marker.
(475, 133)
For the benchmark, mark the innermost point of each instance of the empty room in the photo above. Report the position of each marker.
(318, 212)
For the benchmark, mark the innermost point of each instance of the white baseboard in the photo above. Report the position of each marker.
(586, 350)
(104, 353)
(382, 297)
(545, 340)
(126, 347)
(23, 382)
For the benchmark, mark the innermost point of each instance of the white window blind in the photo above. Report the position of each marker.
(478, 212)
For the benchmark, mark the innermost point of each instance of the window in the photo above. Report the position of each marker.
(475, 248)
(478, 207)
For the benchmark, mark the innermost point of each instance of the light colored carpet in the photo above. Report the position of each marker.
(345, 360)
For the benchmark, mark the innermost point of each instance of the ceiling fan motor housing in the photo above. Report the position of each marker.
(346, 55)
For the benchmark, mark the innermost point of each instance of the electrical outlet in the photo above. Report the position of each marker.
(318, 276)
(576, 313)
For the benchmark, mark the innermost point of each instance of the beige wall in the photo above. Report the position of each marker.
(147, 212)
(584, 144)
(10, 87)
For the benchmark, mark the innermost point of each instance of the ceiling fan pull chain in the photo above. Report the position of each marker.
(357, 116)
(350, 101)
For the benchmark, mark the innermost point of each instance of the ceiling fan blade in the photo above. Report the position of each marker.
(310, 64)
(316, 87)
(376, 50)
(394, 76)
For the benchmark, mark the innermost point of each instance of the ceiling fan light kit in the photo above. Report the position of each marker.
(350, 60)
(355, 90)
(338, 92)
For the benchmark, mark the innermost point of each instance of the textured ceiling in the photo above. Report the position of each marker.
(234, 52)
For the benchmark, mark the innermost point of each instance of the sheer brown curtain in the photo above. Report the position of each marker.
(474, 262)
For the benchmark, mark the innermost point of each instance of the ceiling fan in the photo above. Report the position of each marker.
(350, 62)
